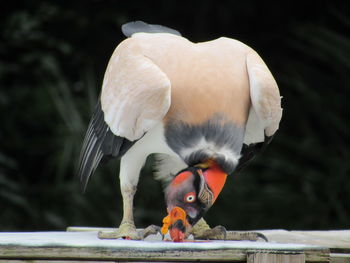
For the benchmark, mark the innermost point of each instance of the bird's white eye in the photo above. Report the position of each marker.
(190, 197)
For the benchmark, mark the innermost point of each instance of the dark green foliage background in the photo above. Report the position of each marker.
(52, 59)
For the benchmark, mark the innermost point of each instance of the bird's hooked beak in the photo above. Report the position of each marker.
(176, 223)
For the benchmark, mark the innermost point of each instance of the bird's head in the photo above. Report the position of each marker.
(189, 196)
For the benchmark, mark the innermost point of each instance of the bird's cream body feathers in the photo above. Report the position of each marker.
(163, 77)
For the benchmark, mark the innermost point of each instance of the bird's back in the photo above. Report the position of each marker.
(207, 78)
(209, 95)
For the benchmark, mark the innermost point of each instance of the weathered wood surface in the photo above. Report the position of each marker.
(263, 257)
(336, 240)
(74, 246)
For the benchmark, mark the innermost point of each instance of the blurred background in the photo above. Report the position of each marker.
(52, 59)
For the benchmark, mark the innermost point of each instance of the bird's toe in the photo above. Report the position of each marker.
(216, 233)
(126, 230)
(243, 235)
(150, 230)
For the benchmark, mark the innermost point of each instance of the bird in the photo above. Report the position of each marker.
(204, 109)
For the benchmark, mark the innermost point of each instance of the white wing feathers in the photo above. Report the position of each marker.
(266, 112)
(135, 93)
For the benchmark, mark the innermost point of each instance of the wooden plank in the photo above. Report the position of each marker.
(337, 240)
(262, 257)
(86, 246)
(340, 258)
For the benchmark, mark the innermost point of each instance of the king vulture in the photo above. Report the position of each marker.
(205, 109)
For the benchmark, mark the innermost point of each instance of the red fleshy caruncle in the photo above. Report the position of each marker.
(177, 235)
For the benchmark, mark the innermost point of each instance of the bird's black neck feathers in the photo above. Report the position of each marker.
(215, 139)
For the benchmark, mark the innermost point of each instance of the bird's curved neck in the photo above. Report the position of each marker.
(214, 176)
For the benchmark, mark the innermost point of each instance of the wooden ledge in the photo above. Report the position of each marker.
(85, 246)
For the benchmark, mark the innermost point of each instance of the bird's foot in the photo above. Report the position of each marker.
(202, 231)
(126, 230)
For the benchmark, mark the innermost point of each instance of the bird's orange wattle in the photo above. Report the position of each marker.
(166, 224)
(177, 213)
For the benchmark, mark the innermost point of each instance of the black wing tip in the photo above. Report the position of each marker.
(84, 173)
(99, 144)
(91, 152)
(83, 176)
(249, 152)
(83, 183)
(133, 27)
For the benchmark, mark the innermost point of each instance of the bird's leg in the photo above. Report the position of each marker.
(129, 175)
(201, 230)
(127, 227)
